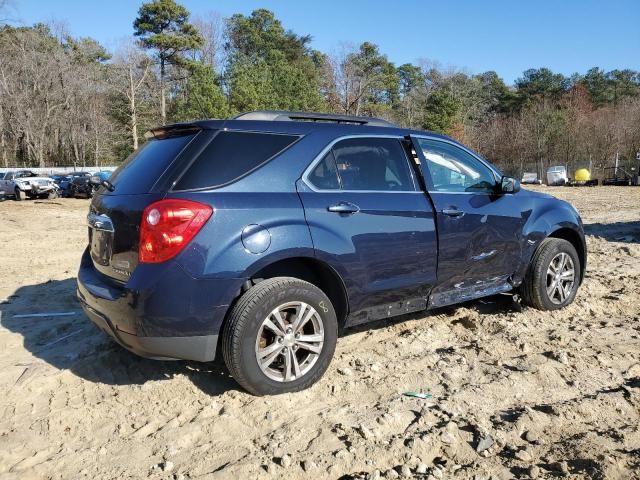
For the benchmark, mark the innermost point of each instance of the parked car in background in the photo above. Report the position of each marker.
(557, 176)
(262, 235)
(530, 179)
(22, 184)
(80, 185)
(62, 180)
(98, 179)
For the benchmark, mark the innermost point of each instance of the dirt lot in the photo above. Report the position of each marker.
(516, 393)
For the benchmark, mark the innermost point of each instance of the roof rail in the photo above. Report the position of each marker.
(276, 115)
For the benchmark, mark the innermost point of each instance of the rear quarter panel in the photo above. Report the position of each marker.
(218, 250)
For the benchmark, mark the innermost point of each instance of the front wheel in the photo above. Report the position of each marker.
(280, 336)
(553, 276)
(20, 195)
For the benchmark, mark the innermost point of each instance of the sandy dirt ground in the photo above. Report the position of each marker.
(517, 393)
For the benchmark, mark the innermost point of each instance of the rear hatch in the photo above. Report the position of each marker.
(115, 213)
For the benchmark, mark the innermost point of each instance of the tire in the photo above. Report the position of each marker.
(244, 333)
(20, 195)
(539, 278)
(52, 195)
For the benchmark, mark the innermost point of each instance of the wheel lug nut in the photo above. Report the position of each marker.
(279, 339)
(297, 335)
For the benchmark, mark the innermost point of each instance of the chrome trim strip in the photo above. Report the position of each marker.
(479, 192)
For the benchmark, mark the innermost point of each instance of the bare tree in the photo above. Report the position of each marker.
(211, 27)
(131, 69)
(33, 88)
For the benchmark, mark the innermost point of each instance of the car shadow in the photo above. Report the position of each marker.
(72, 342)
(625, 232)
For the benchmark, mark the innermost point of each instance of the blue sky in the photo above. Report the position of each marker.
(506, 36)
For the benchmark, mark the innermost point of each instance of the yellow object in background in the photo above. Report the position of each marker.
(582, 175)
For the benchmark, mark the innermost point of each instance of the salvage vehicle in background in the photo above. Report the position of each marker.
(80, 185)
(62, 180)
(530, 178)
(98, 179)
(557, 176)
(261, 235)
(22, 184)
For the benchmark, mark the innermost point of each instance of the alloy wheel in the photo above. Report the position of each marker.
(561, 278)
(289, 341)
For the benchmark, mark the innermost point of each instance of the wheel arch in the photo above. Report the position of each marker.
(313, 271)
(575, 239)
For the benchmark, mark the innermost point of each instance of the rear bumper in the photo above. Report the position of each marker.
(161, 312)
(200, 349)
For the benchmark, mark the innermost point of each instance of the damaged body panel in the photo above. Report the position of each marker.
(360, 219)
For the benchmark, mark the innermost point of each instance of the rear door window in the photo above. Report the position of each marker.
(145, 166)
(375, 164)
(325, 175)
(231, 155)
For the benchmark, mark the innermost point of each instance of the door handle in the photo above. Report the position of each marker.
(343, 207)
(453, 212)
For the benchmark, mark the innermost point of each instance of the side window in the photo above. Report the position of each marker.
(454, 170)
(231, 155)
(373, 164)
(9, 176)
(325, 175)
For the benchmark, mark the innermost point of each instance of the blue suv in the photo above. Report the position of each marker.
(262, 235)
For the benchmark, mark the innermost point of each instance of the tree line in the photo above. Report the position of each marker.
(67, 100)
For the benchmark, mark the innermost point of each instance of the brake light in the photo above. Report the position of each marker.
(168, 226)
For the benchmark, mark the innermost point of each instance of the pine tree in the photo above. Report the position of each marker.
(163, 26)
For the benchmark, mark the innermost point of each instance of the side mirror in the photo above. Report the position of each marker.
(509, 185)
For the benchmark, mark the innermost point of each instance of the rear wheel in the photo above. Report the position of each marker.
(553, 276)
(280, 337)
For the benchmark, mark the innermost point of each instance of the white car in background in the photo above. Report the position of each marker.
(25, 183)
(529, 178)
(557, 176)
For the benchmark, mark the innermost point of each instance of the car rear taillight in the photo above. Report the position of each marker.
(168, 226)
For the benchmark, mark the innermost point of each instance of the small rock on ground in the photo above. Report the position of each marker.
(285, 461)
(523, 455)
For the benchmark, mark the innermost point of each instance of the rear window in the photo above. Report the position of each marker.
(142, 169)
(231, 155)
